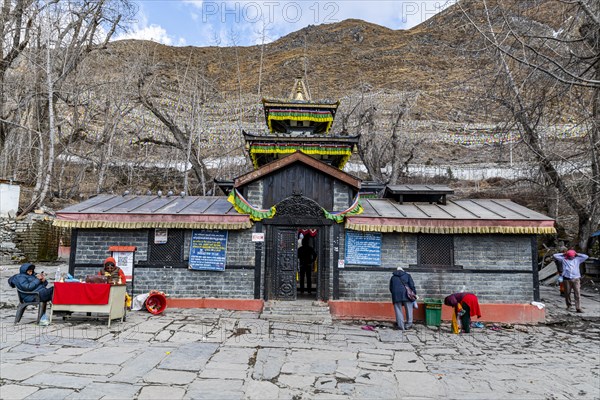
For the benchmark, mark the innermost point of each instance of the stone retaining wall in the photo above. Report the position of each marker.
(32, 238)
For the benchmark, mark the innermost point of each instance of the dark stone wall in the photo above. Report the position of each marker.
(498, 268)
(237, 281)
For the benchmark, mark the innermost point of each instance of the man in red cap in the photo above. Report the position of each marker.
(571, 260)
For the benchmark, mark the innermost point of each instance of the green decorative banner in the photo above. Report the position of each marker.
(242, 206)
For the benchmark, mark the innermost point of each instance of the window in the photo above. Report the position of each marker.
(436, 251)
(171, 251)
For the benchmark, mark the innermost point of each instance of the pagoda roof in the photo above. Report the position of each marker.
(300, 97)
(423, 193)
(254, 137)
(328, 104)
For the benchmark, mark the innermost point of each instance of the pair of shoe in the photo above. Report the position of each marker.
(579, 310)
(408, 326)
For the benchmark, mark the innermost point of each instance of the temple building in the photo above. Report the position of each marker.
(240, 250)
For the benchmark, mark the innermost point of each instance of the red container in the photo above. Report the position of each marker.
(156, 303)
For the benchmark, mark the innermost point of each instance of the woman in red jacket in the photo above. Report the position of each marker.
(465, 306)
(112, 272)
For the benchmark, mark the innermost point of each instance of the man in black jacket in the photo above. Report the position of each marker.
(398, 283)
(28, 281)
(306, 257)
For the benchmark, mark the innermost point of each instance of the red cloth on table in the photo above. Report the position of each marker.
(81, 293)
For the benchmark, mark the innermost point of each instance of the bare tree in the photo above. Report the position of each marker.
(545, 74)
(53, 38)
(17, 21)
(182, 125)
(385, 148)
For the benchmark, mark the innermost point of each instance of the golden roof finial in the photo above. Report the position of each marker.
(299, 91)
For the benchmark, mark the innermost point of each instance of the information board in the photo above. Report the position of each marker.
(124, 261)
(363, 248)
(161, 236)
(208, 250)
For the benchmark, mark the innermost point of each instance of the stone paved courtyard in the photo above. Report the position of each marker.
(216, 354)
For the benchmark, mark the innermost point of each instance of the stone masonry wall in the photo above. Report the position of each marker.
(473, 252)
(32, 238)
(92, 248)
(240, 248)
(9, 251)
(255, 194)
(93, 244)
(341, 199)
(183, 282)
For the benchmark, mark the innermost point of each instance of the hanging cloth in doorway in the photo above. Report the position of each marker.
(308, 232)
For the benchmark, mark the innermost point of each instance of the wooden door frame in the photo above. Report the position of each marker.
(298, 212)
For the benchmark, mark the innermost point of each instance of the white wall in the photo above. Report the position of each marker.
(9, 199)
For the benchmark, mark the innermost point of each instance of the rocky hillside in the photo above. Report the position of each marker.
(440, 65)
(438, 58)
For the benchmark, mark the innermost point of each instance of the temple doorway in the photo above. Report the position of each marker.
(298, 218)
(307, 277)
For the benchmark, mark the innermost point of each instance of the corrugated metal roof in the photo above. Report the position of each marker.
(420, 189)
(163, 205)
(476, 209)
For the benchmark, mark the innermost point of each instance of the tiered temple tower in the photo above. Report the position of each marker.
(300, 124)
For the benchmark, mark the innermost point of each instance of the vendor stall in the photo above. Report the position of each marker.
(101, 298)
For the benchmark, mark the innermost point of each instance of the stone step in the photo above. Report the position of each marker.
(296, 311)
(296, 319)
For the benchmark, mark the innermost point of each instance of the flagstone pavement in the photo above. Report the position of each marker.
(217, 354)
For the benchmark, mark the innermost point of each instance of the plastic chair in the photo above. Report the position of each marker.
(24, 304)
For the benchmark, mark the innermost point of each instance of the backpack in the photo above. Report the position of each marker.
(10, 282)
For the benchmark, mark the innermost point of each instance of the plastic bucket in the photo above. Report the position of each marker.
(156, 303)
(433, 312)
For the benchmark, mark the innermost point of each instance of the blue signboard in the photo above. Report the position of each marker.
(208, 250)
(363, 248)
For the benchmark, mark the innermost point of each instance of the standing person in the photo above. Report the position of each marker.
(398, 283)
(559, 271)
(466, 305)
(114, 273)
(570, 261)
(306, 257)
(28, 281)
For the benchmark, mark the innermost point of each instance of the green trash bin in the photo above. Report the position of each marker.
(433, 312)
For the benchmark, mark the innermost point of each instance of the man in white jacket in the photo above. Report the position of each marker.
(571, 260)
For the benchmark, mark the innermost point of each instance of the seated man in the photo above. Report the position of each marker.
(27, 281)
